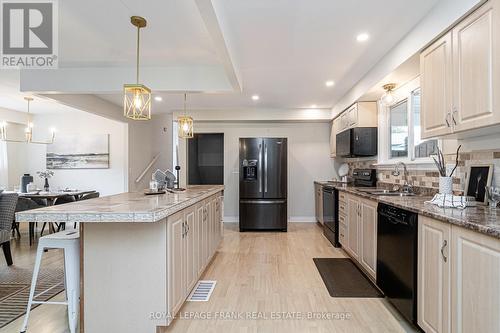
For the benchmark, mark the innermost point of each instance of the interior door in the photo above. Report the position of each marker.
(251, 168)
(275, 168)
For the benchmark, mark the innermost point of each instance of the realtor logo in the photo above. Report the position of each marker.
(29, 34)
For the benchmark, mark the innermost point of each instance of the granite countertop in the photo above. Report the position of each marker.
(124, 207)
(481, 218)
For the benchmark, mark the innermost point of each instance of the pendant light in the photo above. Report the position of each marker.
(388, 98)
(136, 96)
(185, 124)
(28, 131)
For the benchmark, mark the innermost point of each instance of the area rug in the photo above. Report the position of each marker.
(15, 285)
(343, 278)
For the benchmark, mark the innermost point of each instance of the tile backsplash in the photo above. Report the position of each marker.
(427, 181)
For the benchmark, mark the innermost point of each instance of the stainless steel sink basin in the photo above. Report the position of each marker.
(379, 191)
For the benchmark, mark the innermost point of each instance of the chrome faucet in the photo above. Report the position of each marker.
(407, 188)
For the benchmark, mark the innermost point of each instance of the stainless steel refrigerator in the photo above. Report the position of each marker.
(263, 184)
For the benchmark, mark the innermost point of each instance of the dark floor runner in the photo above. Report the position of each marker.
(343, 279)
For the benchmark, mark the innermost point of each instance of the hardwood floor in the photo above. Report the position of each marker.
(261, 274)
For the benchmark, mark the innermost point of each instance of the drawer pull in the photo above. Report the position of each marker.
(442, 250)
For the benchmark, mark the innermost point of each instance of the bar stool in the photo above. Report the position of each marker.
(69, 241)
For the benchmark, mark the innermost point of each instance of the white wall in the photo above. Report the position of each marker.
(30, 158)
(308, 160)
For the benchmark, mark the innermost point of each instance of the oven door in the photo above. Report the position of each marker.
(330, 215)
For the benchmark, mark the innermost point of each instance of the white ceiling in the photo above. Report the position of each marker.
(282, 50)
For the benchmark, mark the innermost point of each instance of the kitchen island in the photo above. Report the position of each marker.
(140, 255)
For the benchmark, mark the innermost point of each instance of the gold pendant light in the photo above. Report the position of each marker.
(137, 97)
(185, 124)
(389, 97)
(28, 131)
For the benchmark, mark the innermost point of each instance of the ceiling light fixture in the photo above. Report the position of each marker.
(363, 37)
(389, 97)
(329, 83)
(255, 97)
(28, 130)
(136, 96)
(185, 123)
(158, 98)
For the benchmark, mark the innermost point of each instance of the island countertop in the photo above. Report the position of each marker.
(124, 207)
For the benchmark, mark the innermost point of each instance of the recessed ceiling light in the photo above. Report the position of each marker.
(255, 97)
(363, 37)
(329, 83)
(158, 98)
(314, 106)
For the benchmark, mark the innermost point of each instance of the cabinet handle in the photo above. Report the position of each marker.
(442, 250)
(183, 229)
(446, 119)
(453, 115)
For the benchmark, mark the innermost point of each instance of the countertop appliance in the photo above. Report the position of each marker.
(397, 258)
(357, 142)
(331, 214)
(263, 184)
(363, 178)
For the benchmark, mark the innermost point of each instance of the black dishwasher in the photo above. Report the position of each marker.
(397, 258)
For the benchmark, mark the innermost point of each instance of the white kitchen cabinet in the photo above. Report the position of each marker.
(177, 279)
(476, 69)
(434, 267)
(353, 230)
(460, 76)
(190, 242)
(368, 233)
(475, 282)
(207, 230)
(200, 236)
(360, 114)
(318, 202)
(436, 88)
(335, 126)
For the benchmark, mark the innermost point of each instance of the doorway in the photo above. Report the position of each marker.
(205, 159)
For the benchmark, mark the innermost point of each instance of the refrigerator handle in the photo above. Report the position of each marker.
(265, 168)
(259, 170)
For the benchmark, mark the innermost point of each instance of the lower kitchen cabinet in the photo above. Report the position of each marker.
(458, 279)
(475, 281)
(361, 231)
(318, 202)
(433, 275)
(193, 237)
(353, 230)
(368, 231)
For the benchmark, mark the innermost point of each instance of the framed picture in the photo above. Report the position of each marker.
(478, 177)
(85, 151)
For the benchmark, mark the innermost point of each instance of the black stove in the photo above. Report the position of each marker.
(365, 177)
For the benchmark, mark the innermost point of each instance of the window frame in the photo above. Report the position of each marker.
(405, 92)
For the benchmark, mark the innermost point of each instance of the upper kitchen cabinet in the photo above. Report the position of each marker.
(460, 76)
(436, 88)
(333, 135)
(360, 114)
(476, 68)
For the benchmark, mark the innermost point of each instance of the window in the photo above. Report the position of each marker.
(399, 129)
(398, 115)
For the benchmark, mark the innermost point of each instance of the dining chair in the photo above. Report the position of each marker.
(27, 204)
(8, 202)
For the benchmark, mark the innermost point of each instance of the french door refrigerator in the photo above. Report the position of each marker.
(263, 184)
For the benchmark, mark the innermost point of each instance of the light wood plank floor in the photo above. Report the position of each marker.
(262, 273)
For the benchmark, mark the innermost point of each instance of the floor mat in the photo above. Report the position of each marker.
(343, 278)
(15, 289)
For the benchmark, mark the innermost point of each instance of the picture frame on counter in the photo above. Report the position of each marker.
(478, 177)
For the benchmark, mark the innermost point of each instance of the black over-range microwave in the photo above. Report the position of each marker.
(357, 142)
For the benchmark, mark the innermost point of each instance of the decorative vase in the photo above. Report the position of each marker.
(46, 187)
(445, 185)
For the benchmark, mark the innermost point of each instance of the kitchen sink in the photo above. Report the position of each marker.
(379, 191)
